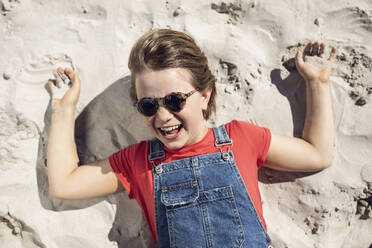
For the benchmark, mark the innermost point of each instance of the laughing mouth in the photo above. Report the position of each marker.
(172, 130)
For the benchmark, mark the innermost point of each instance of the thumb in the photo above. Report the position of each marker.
(299, 59)
(332, 56)
(73, 77)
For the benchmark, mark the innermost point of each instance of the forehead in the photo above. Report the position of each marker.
(151, 83)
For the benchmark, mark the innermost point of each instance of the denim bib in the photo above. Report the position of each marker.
(202, 201)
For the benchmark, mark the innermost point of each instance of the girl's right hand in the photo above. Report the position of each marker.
(65, 95)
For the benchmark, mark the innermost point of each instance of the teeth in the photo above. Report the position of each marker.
(168, 129)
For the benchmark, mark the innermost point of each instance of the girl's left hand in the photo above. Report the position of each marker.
(310, 72)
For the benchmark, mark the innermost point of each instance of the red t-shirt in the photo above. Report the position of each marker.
(250, 146)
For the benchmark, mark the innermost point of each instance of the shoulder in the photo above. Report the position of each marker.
(243, 129)
(241, 126)
(133, 150)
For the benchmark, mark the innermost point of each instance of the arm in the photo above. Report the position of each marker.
(315, 150)
(67, 180)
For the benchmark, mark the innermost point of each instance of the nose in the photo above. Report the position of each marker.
(163, 114)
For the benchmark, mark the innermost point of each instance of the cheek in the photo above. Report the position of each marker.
(148, 122)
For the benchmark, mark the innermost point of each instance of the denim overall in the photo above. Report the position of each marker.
(202, 201)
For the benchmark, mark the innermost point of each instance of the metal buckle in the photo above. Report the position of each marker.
(225, 156)
(223, 144)
(158, 169)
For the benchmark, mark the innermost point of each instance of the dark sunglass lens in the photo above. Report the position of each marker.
(147, 106)
(174, 102)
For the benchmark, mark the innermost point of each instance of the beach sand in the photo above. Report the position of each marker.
(250, 46)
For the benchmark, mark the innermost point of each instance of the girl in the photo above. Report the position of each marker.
(197, 186)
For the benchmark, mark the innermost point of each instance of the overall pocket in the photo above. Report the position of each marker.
(180, 194)
(202, 218)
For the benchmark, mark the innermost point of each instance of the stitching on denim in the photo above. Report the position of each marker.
(180, 186)
(241, 182)
(239, 223)
(227, 190)
(169, 201)
(170, 230)
(156, 203)
(206, 224)
(221, 136)
(207, 162)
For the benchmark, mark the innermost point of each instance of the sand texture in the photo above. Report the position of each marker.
(250, 46)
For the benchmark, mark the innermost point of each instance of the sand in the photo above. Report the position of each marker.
(250, 46)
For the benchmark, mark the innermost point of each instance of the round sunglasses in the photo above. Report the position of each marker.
(174, 102)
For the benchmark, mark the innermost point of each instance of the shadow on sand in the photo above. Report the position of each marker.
(294, 89)
(107, 124)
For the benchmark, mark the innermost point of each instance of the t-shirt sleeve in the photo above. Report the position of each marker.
(252, 137)
(265, 139)
(122, 163)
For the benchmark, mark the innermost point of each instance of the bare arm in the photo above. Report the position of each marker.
(67, 180)
(315, 150)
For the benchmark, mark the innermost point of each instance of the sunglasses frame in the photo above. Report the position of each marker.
(156, 100)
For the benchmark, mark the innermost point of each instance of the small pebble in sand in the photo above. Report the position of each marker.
(177, 12)
(318, 21)
(253, 75)
(315, 228)
(229, 89)
(361, 101)
(354, 95)
(6, 76)
(369, 90)
(17, 230)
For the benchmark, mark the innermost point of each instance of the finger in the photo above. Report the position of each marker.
(63, 76)
(58, 79)
(332, 55)
(316, 48)
(299, 59)
(321, 49)
(307, 50)
(73, 77)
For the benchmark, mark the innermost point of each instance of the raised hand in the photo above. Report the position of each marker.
(312, 73)
(65, 89)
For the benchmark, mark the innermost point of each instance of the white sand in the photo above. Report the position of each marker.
(246, 43)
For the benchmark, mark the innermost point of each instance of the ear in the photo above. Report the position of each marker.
(205, 96)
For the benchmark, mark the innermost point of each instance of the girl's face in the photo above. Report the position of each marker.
(174, 129)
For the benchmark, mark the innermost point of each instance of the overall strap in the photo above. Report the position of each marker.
(156, 150)
(221, 136)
